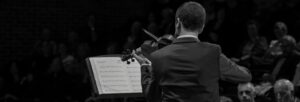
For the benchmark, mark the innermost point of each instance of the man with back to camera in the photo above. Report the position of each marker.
(188, 70)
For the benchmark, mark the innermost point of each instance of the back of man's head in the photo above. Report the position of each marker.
(192, 15)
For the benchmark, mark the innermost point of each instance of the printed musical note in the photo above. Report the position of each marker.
(114, 76)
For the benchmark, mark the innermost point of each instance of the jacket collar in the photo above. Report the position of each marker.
(186, 40)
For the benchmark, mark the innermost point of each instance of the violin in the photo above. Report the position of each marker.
(149, 46)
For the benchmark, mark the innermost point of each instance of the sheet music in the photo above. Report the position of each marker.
(114, 76)
(134, 73)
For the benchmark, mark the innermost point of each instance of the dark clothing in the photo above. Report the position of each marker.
(287, 70)
(188, 71)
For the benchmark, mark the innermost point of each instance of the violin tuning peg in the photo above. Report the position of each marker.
(132, 60)
(128, 62)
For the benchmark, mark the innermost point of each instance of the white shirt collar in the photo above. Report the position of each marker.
(187, 36)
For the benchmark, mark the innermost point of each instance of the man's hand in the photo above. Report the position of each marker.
(143, 61)
(140, 58)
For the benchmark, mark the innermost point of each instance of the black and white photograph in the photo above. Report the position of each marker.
(149, 50)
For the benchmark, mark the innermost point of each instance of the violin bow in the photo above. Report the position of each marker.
(151, 35)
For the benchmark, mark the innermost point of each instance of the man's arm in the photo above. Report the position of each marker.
(230, 71)
(150, 87)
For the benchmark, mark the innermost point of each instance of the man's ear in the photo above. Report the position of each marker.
(201, 30)
(177, 26)
(177, 22)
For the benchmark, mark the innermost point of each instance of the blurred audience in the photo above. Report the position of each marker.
(283, 52)
(167, 21)
(225, 99)
(57, 71)
(284, 42)
(296, 79)
(254, 48)
(152, 25)
(284, 91)
(135, 31)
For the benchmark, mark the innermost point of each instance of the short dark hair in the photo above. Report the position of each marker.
(192, 15)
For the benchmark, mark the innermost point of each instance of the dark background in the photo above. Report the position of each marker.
(22, 22)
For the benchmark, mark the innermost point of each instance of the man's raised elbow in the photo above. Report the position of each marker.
(248, 77)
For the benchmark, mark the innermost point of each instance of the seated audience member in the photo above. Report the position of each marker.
(255, 47)
(296, 79)
(246, 92)
(284, 91)
(264, 91)
(265, 85)
(283, 40)
(225, 99)
(283, 52)
(152, 26)
(131, 41)
(166, 23)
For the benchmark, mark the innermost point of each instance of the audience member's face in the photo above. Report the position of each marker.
(167, 14)
(283, 90)
(245, 94)
(135, 28)
(62, 49)
(46, 49)
(279, 31)
(72, 36)
(91, 20)
(82, 50)
(151, 18)
(252, 31)
(283, 95)
(46, 34)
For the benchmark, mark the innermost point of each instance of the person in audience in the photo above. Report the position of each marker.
(296, 79)
(152, 25)
(246, 92)
(225, 99)
(131, 40)
(284, 91)
(45, 46)
(43, 56)
(11, 83)
(283, 42)
(283, 50)
(264, 90)
(112, 47)
(255, 47)
(166, 24)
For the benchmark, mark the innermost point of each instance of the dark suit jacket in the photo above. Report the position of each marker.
(188, 71)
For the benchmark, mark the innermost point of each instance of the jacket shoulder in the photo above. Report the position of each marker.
(211, 45)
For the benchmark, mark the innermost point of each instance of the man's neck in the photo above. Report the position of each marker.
(188, 34)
